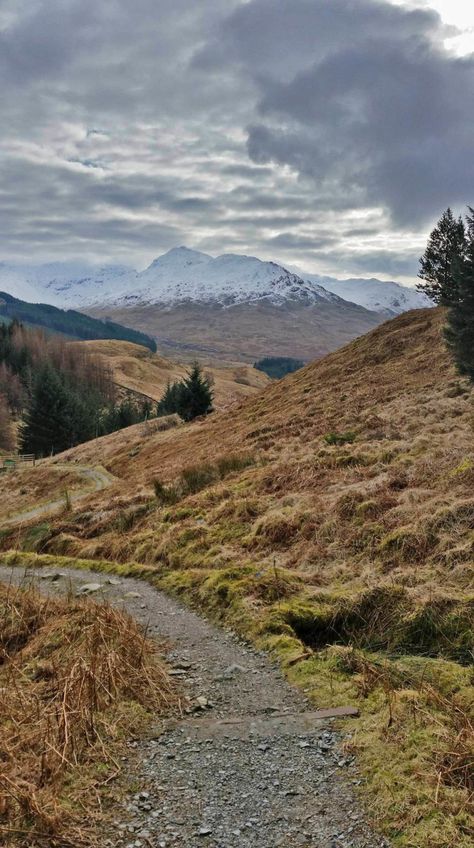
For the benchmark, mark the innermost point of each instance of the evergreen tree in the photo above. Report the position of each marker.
(446, 245)
(196, 396)
(47, 426)
(170, 402)
(189, 398)
(459, 332)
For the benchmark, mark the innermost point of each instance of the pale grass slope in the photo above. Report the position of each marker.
(138, 369)
(408, 472)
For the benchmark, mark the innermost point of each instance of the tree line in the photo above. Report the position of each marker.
(54, 395)
(447, 274)
(70, 323)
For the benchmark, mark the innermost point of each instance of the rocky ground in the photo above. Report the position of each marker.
(251, 765)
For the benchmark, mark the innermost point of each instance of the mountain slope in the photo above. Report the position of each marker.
(68, 322)
(135, 368)
(388, 298)
(330, 519)
(54, 282)
(246, 332)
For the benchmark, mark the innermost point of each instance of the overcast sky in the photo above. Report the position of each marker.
(328, 134)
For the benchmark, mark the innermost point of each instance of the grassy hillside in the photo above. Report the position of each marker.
(138, 369)
(247, 332)
(67, 321)
(330, 519)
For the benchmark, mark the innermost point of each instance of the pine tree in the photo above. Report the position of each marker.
(459, 332)
(170, 402)
(196, 396)
(48, 426)
(189, 398)
(446, 245)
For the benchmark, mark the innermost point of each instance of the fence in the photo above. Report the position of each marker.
(10, 463)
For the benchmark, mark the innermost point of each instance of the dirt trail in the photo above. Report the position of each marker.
(99, 477)
(253, 769)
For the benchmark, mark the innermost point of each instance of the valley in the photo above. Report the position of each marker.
(230, 308)
(139, 370)
(329, 521)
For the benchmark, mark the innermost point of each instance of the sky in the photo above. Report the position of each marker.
(327, 134)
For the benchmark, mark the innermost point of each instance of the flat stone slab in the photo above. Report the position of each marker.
(243, 726)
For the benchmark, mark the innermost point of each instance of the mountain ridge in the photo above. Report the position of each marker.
(184, 275)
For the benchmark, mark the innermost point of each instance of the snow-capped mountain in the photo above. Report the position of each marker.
(184, 276)
(388, 298)
(188, 276)
(59, 283)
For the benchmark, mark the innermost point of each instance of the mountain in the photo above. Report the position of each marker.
(231, 307)
(187, 276)
(69, 323)
(55, 282)
(388, 298)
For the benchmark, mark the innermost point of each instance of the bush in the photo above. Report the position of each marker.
(340, 438)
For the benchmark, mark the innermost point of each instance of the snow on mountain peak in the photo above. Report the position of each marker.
(183, 275)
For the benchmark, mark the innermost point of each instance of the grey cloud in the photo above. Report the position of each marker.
(298, 242)
(264, 126)
(368, 104)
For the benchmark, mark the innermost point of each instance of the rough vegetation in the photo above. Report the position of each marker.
(76, 680)
(346, 548)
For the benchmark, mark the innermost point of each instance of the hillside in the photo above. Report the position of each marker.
(246, 332)
(147, 373)
(331, 520)
(67, 322)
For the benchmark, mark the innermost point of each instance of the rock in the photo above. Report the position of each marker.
(113, 581)
(132, 595)
(233, 669)
(52, 575)
(89, 588)
(202, 703)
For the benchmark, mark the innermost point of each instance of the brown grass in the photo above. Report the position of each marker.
(76, 678)
(137, 368)
(390, 509)
(29, 486)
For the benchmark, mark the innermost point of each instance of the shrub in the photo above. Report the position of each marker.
(340, 438)
(197, 477)
(165, 494)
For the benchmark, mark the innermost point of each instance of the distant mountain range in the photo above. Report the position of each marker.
(231, 306)
(184, 275)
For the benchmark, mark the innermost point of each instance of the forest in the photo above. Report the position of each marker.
(70, 323)
(54, 395)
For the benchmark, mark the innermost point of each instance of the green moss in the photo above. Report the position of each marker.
(409, 542)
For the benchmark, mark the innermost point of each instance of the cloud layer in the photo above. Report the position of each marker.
(326, 134)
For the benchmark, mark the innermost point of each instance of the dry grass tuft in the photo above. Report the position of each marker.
(75, 678)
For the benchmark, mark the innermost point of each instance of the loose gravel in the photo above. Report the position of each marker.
(249, 767)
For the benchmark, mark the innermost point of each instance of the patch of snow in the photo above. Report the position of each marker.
(389, 298)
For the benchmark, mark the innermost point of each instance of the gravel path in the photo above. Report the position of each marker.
(251, 767)
(99, 478)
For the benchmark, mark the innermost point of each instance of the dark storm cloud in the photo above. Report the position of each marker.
(358, 96)
(298, 130)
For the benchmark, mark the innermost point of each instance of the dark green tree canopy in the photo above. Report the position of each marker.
(189, 398)
(446, 246)
(459, 332)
